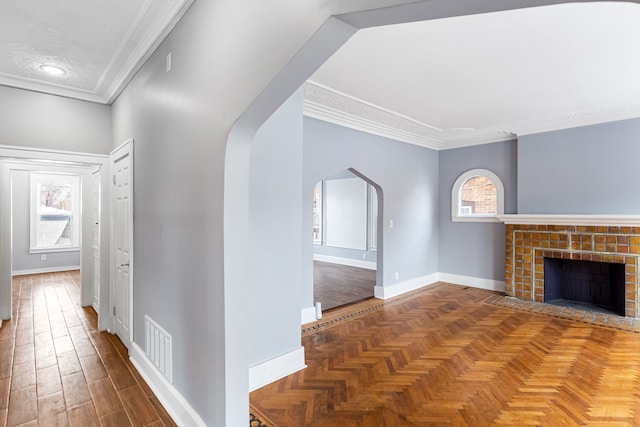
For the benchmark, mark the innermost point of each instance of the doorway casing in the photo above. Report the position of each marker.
(59, 158)
(308, 314)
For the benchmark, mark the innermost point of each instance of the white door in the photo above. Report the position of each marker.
(95, 237)
(121, 295)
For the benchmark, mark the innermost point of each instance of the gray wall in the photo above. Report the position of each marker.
(177, 204)
(32, 119)
(275, 227)
(475, 249)
(408, 176)
(222, 59)
(21, 206)
(586, 170)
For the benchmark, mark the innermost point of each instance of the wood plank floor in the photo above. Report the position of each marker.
(443, 357)
(56, 369)
(336, 285)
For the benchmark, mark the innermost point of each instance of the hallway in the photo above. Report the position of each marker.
(56, 369)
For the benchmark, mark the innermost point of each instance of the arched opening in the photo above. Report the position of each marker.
(331, 35)
(347, 245)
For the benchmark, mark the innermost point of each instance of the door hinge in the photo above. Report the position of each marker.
(114, 180)
(114, 310)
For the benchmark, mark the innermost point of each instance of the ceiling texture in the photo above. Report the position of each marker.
(440, 84)
(99, 44)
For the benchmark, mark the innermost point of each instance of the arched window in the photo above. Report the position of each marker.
(477, 196)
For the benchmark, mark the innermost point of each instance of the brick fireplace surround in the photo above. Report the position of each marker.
(528, 244)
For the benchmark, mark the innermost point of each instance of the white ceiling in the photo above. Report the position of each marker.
(100, 44)
(475, 79)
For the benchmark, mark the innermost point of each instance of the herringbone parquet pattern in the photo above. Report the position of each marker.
(444, 358)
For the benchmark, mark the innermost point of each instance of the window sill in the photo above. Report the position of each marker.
(53, 250)
(475, 219)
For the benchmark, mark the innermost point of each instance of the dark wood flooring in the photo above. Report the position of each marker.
(56, 369)
(446, 356)
(336, 285)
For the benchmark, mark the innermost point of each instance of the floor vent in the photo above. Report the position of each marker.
(158, 347)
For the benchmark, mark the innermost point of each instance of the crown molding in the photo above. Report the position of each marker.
(49, 88)
(147, 44)
(330, 105)
(332, 115)
(138, 45)
(327, 104)
(479, 138)
(590, 117)
(449, 139)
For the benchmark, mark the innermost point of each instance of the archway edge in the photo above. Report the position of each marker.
(380, 215)
(330, 36)
(380, 227)
(438, 9)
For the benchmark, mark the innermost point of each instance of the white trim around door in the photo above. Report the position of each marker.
(12, 157)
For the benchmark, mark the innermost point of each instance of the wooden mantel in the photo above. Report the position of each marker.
(593, 220)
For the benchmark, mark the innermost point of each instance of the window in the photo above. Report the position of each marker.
(477, 196)
(55, 212)
(466, 210)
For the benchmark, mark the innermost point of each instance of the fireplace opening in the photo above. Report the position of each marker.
(587, 285)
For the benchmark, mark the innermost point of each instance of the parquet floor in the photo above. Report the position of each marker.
(56, 369)
(443, 357)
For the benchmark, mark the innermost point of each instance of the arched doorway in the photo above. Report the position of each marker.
(347, 245)
(237, 241)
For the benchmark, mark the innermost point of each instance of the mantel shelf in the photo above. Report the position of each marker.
(544, 219)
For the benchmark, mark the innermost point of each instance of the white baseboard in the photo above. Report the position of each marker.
(279, 367)
(369, 265)
(175, 404)
(474, 282)
(308, 315)
(384, 292)
(44, 270)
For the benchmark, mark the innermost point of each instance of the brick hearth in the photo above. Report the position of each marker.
(528, 244)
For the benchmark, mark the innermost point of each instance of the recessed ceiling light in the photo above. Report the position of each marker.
(54, 70)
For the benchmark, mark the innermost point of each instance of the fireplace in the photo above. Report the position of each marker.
(533, 248)
(597, 286)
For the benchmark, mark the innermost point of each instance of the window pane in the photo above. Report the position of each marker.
(478, 197)
(55, 211)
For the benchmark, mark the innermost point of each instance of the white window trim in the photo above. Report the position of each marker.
(33, 213)
(456, 194)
